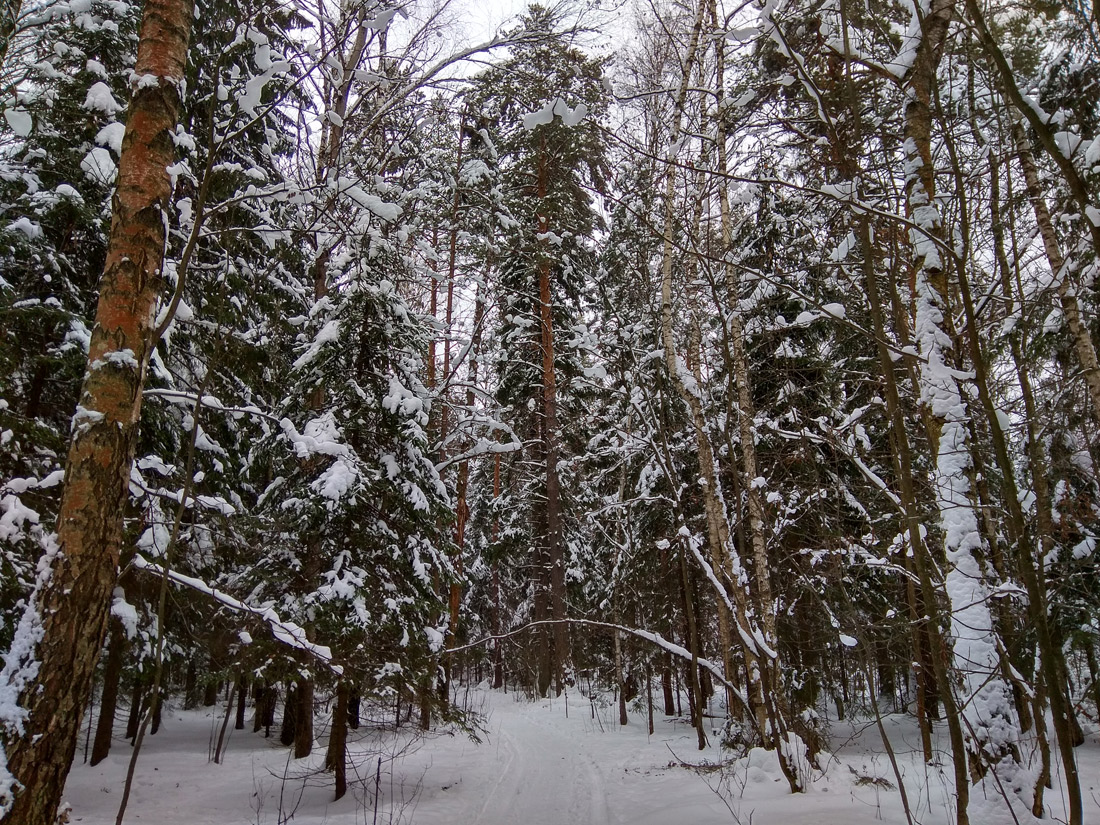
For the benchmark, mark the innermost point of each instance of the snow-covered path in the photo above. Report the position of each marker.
(534, 766)
(542, 779)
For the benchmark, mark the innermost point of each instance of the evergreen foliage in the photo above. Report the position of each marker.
(408, 386)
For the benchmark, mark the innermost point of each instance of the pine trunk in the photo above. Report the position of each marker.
(666, 690)
(242, 701)
(354, 704)
(288, 735)
(133, 719)
(554, 552)
(72, 602)
(259, 693)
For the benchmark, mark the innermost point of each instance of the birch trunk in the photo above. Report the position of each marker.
(986, 705)
(1051, 656)
(1079, 189)
(745, 411)
(763, 703)
(1067, 294)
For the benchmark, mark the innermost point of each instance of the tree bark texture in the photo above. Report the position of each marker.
(336, 757)
(242, 701)
(1067, 293)
(288, 734)
(303, 731)
(71, 603)
(555, 552)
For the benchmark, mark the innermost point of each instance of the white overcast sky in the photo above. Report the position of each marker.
(484, 17)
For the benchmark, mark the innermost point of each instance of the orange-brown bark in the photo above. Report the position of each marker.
(73, 603)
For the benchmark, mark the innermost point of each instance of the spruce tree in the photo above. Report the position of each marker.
(544, 105)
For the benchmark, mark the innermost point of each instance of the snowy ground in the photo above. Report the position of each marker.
(535, 766)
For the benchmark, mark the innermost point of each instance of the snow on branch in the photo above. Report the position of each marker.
(558, 107)
(654, 638)
(207, 401)
(484, 447)
(284, 631)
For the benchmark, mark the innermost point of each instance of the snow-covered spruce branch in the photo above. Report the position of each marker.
(207, 401)
(698, 254)
(483, 448)
(288, 633)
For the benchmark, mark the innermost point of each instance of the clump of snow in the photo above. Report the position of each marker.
(558, 107)
(28, 227)
(100, 99)
(111, 136)
(329, 333)
(63, 190)
(321, 436)
(99, 166)
(125, 612)
(337, 480)
(20, 121)
(124, 358)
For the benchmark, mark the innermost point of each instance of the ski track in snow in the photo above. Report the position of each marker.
(543, 780)
(534, 766)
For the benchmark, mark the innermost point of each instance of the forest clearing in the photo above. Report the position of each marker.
(725, 368)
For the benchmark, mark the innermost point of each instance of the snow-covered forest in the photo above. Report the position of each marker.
(728, 361)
